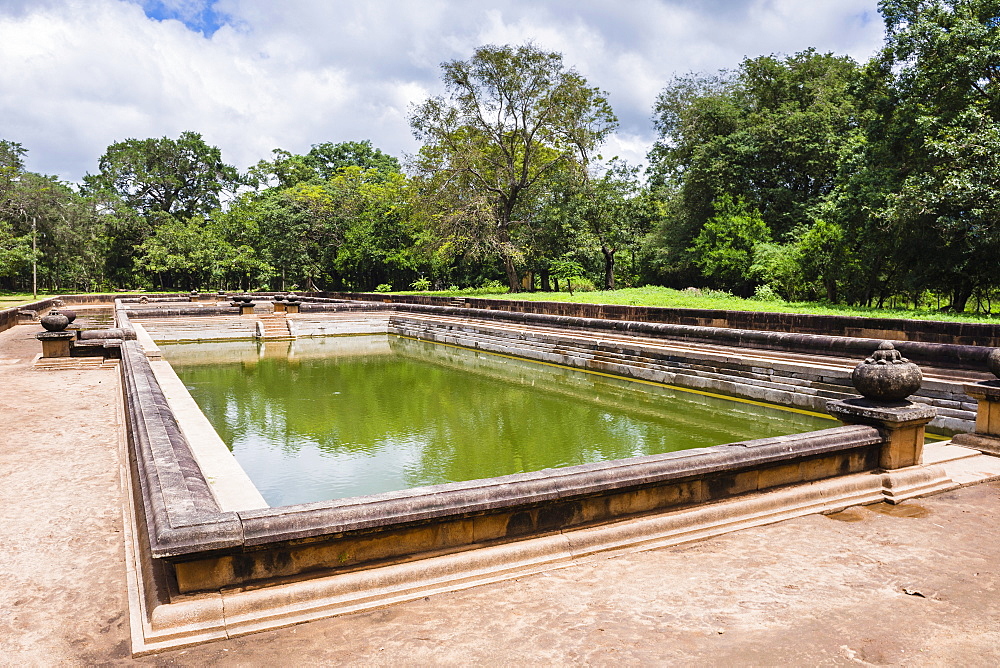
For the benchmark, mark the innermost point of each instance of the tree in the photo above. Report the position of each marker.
(47, 227)
(616, 213)
(181, 177)
(328, 158)
(15, 251)
(322, 162)
(512, 116)
(143, 183)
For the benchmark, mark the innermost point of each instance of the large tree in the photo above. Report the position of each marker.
(924, 188)
(181, 177)
(512, 117)
(143, 183)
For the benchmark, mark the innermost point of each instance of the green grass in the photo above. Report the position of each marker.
(657, 296)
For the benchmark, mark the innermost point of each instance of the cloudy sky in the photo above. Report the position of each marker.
(254, 75)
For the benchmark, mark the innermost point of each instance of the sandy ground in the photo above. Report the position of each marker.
(818, 590)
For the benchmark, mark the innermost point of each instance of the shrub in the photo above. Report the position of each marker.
(383, 287)
(765, 293)
(422, 284)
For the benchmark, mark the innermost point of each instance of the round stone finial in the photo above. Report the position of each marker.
(993, 362)
(54, 321)
(886, 375)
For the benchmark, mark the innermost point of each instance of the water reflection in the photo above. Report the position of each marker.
(324, 418)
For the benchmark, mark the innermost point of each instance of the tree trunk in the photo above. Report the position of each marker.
(546, 286)
(959, 298)
(609, 267)
(513, 280)
(831, 291)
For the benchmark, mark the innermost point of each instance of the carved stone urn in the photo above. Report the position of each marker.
(69, 314)
(993, 362)
(54, 321)
(886, 375)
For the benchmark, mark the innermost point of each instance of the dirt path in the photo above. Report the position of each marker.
(812, 591)
(62, 581)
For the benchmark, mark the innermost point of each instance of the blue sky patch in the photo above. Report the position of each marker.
(197, 15)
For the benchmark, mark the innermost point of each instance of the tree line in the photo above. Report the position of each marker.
(804, 177)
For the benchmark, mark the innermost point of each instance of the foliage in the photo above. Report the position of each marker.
(322, 162)
(928, 173)
(567, 269)
(765, 293)
(724, 248)
(769, 133)
(181, 177)
(15, 251)
(44, 223)
(383, 287)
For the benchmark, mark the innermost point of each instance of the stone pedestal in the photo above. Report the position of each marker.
(900, 422)
(246, 308)
(291, 307)
(55, 344)
(987, 436)
(279, 306)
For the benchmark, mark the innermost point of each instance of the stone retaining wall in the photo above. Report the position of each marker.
(773, 381)
(896, 329)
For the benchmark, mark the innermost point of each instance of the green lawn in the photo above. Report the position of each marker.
(16, 299)
(657, 296)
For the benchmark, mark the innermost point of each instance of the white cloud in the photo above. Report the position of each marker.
(77, 75)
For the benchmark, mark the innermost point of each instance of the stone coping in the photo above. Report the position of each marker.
(228, 482)
(182, 517)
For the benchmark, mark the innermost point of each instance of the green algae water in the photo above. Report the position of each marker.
(327, 418)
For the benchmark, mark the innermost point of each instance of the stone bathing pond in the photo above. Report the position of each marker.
(337, 417)
(290, 460)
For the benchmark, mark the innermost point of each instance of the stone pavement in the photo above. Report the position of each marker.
(915, 584)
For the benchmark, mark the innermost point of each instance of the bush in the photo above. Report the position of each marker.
(765, 293)
(383, 287)
(422, 284)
